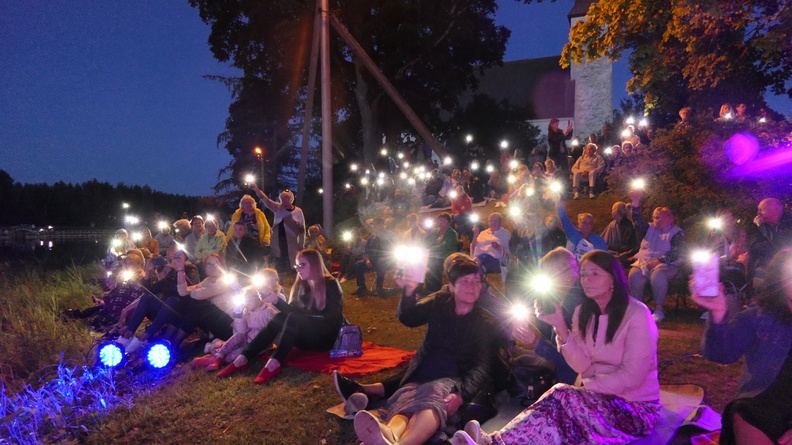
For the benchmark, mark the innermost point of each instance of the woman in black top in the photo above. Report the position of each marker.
(557, 150)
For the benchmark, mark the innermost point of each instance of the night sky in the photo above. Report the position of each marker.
(114, 90)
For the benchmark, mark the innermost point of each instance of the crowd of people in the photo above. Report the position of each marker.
(587, 323)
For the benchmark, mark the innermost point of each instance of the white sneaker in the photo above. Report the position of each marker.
(658, 316)
(123, 341)
(473, 429)
(134, 345)
(462, 438)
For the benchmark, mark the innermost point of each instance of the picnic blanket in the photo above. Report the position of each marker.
(374, 359)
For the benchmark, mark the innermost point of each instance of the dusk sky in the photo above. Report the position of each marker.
(114, 90)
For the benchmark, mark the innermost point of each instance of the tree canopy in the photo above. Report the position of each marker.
(691, 51)
(430, 50)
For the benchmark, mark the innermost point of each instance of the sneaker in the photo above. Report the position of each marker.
(123, 341)
(658, 316)
(202, 362)
(345, 386)
(473, 429)
(369, 429)
(576, 195)
(591, 195)
(134, 345)
(462, 438)
(355, 403)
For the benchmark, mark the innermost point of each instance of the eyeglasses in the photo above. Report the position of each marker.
(300, 266)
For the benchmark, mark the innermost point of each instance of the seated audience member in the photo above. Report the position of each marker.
(741, 113)
(551, 171)
(146, 241)
(127, 287)
(242, 252)
(496, 185)
(183, 230)
(620, 234)
(729, 241)
(434, 185)
(474, 187)
(256, 225)
(191, 240)
(442, 241)
(414, 233)
(353, 249)
(581, 239)
(659, 256)
(400, 204)
(772, 229)
(164, 239)
(212, 241)
(589, 166)
(630, 136)
(762, 335)
(310, 321)
(451, 366)
(490, 247)
(376, 257)
(725, 114)
(261, 304)
(288, 227)
(525, 244)
(211, 301)
(461, 207)
(561, 268)
(554, 235)
(613, 346)
(627, 149)
(120, 244)
(316, 241)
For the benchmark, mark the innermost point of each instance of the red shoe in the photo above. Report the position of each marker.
(231, 369)
(215, 364)
(202, 362)
(266, 375)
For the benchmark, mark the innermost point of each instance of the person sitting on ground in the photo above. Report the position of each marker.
(490, 247)
(211, 301)
(553, 236)
(762, 334)
(263, 300)
(353, 250)
(256, 225)
(288, 227)
(120, 244)
(414, 233)
(561, 268)
(659, 256)
(442, 241)
(461, 208)
(310, 321)
(589, 166)
(316, 240)
(183, 230)
(164, 239)
(146, 241)
(212, 241)
(126, 287)
(581, 239)
(620, 234)
(450, 368)
(242, 252)
(376, 257)
(613, 346)
(772, 230)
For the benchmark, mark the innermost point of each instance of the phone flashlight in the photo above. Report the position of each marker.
(519, 311)
(346, 236)
(638, 184)
(715, 223)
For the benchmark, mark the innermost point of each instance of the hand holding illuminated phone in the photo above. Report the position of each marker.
(525, 334)
(554, 319)
(716, 305)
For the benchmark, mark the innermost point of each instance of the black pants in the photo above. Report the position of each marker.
(295, 329)
(205, 315)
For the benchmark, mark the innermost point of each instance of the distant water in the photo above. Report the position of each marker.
(50, 254)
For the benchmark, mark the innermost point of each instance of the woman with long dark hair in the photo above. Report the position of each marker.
(613, 347)
(557, 149)
(311, 320)
(762, 413)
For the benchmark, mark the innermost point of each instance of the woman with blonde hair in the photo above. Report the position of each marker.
(310, 321)
(254, 220)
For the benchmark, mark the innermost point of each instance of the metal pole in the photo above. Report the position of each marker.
(327, 124)
(309, 104)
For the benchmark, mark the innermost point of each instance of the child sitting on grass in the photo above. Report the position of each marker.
(260, 305)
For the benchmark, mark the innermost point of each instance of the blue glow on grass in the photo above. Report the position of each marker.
(158, 355)
(111, 355)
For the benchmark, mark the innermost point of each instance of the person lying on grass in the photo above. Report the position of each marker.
(451, 366)
(260, 303)
(310, 321)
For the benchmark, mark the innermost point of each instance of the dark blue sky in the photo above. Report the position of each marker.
(113, 90)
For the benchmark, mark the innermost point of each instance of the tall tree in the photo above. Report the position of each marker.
(430, 50)
(697, 51)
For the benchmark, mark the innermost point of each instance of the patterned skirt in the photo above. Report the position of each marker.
(571, 415)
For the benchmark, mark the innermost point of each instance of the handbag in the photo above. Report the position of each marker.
(528, 382)
(349, 342)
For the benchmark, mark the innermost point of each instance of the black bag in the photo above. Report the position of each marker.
(528, 382)
(349, 342)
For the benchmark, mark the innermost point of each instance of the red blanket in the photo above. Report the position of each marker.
(373, 360)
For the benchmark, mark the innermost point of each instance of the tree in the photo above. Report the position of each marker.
(700, 52)
(430, 50)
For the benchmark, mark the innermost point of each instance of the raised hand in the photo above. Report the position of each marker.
(716, 305)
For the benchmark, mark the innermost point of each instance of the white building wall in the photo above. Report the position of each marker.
(593, 94)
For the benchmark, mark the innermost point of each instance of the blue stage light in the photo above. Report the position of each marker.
(111, 355)
(159, 355)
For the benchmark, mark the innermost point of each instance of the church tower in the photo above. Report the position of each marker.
(593, 84)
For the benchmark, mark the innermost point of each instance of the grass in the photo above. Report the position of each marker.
(191, 406)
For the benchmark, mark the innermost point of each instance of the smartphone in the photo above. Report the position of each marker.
(706, 274)
(412, 263)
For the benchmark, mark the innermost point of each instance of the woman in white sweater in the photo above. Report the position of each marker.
(613, 347)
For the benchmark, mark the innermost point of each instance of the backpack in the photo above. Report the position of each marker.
(349, 342)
